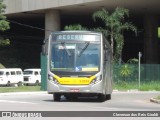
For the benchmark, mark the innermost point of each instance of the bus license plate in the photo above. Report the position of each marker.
(74, 90)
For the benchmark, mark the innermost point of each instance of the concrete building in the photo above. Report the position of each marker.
(53, 15)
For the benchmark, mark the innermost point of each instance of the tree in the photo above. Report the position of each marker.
(114, 25)
(4, 25)
(4, 42)
(74, 27)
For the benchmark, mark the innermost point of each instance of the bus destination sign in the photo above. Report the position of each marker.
(77, 37)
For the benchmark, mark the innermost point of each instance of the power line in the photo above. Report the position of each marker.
(25, 25)
(13, 35)
(27, 44)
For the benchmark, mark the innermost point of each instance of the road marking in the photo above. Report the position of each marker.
(22, 102)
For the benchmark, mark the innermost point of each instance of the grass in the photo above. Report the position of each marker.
(19, 89)
(121, 85)
(157, 98)
(155, 85)
(150, 86)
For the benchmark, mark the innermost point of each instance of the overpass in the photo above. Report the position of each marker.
(146, 14)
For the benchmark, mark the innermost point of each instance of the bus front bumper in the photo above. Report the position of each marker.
(91, 88)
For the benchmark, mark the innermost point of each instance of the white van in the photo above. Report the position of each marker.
(9, 76)
(32, 76)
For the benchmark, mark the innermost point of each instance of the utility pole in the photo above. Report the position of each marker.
(139, 75)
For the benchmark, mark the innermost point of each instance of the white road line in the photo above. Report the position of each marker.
(11, 101)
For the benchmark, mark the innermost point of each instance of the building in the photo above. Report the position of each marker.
(53, 15)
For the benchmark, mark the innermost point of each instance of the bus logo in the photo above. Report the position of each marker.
(6, 114)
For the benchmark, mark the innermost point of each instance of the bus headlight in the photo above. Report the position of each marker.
(97, 79)
(51, 78)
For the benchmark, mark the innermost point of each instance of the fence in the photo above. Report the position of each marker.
(43, 72)
(121, 72)
(129, 72)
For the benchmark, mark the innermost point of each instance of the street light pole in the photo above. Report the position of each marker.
(139, 75)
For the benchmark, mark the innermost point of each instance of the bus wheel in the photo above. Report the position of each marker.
(73, 98)
(101, 97)
(108, 96)
(67, 97)
(56, 97)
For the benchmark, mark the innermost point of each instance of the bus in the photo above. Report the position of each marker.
(78, 64)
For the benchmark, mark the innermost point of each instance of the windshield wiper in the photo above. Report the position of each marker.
(85, 46)
(68, 52)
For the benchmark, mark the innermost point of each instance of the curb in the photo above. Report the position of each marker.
(134, 91)
(154, 100)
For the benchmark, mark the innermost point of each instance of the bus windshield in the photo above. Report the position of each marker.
(75, 57)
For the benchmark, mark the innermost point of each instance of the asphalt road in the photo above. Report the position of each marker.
(41, 101)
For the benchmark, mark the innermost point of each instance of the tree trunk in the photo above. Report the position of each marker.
(112, 45)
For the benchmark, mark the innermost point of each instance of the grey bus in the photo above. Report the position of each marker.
(79, 64)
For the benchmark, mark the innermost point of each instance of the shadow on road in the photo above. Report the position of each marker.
(79, 99)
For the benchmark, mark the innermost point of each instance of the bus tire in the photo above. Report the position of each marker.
(101, 97)
(73, 98)
(56, 97)
(108, 96)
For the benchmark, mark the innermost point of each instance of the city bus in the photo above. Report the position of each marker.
(79, 64)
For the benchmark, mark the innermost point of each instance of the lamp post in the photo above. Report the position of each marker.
(139, 75)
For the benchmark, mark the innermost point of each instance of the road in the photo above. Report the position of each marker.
(121, 101)
(41, 101)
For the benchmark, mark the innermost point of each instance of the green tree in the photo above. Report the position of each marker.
(114, 25)
(74, 27)
(4, 25)
(4, 42)
(126, 71)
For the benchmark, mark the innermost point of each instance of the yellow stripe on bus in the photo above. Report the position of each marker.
(74, 80)
(89, 69)
(83, 69)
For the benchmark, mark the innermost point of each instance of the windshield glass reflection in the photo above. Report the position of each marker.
(82, 57)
